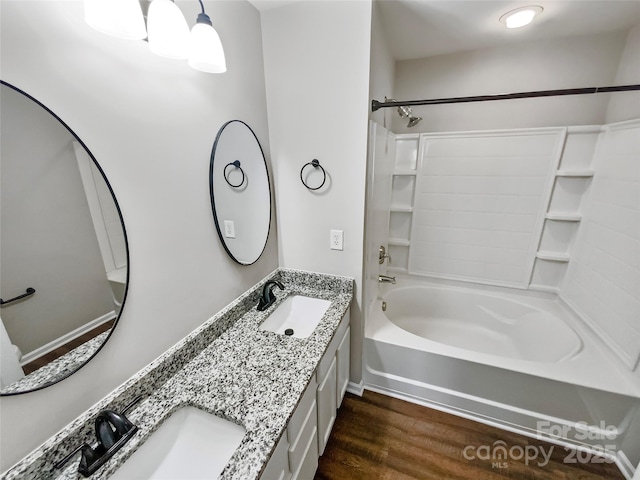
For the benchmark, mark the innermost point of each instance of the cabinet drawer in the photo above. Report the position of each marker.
(309, 463)
(300, 449)
(296, 423)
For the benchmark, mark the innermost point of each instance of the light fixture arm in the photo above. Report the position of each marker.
(203, 17)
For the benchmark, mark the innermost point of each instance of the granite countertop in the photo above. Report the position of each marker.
(227, 367)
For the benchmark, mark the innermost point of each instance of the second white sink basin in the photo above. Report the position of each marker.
(191, 443)
(298, 313)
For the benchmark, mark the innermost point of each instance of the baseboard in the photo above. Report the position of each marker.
(356, 388)
(626, 467)
(60, 341)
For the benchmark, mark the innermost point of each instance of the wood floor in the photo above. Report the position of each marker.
(379, 437)
(66, 348)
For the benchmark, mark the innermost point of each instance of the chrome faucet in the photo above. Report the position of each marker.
(268, 297)
(386, 279)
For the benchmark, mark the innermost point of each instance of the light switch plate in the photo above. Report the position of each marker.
(336, 238)
(229, 229)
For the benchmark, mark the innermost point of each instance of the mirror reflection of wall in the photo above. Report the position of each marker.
(240, 192)
(62, 235)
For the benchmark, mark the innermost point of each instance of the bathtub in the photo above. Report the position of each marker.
(522, 361)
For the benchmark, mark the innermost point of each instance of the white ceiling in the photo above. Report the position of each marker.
(423, 28)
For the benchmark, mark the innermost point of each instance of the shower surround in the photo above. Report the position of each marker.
(492, 228)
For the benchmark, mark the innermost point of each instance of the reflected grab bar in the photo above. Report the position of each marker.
(30, 291)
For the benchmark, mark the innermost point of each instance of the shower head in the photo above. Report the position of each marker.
(413, 121)
(405, 112)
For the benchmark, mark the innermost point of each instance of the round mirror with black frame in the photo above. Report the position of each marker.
(64, 257)
(240, 192)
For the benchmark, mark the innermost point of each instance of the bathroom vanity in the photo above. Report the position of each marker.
(284, 391)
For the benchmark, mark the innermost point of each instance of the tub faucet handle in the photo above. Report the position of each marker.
(382, 254)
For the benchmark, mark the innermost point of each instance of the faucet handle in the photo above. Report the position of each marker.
(382, 254)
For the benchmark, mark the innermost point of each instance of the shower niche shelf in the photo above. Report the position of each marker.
(401, 209)
(562, 220)
(564, 216)
(553, 256)
(403, 187)
(399, 253)
(575, 173)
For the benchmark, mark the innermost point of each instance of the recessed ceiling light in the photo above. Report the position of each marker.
(520, 16)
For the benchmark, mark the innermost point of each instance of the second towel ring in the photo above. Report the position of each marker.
(236, 164)
(315, 163)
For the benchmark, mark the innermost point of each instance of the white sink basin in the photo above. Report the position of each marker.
(298, 313)
(191, 443)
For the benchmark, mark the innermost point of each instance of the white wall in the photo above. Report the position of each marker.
(572, 62)
(151, 123)
(317, 79)
(382, 71)
(626, 106)
(380, 156)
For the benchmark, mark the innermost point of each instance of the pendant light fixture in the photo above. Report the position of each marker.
(206, 52)
(168, 30)
(120, 18)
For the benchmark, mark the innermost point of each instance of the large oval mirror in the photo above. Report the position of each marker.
(63, 249)
(240, 192)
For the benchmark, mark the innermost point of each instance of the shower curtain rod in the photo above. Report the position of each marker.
(376, 105)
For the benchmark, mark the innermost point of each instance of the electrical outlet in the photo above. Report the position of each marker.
(336, 239)
(229, 229)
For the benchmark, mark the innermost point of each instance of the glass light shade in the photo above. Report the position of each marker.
(120, 18)
(521, 16)
(168, 30)
(206, 52)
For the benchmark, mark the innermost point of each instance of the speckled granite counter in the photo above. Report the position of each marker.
(227, 367)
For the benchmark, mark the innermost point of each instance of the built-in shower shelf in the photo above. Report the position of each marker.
(553, 256)
(575, 173)
(399, 208)
(396, 270)
(564, 216)
(405, 172)
(543, 288)
(401, 242)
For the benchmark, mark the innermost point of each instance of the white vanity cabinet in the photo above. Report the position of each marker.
(278, 466)
(343, 362)
(297, 452)
(332, 376)
(302, 433)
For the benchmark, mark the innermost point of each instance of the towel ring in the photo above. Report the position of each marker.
(236, 164)
(315, 164)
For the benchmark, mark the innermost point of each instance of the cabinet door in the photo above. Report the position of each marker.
(278, 466)
(342, 366)
(326, 399)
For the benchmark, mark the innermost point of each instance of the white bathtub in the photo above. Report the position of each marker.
(506, 358)
(482, 323)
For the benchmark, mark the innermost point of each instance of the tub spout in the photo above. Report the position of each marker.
(386, 279)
